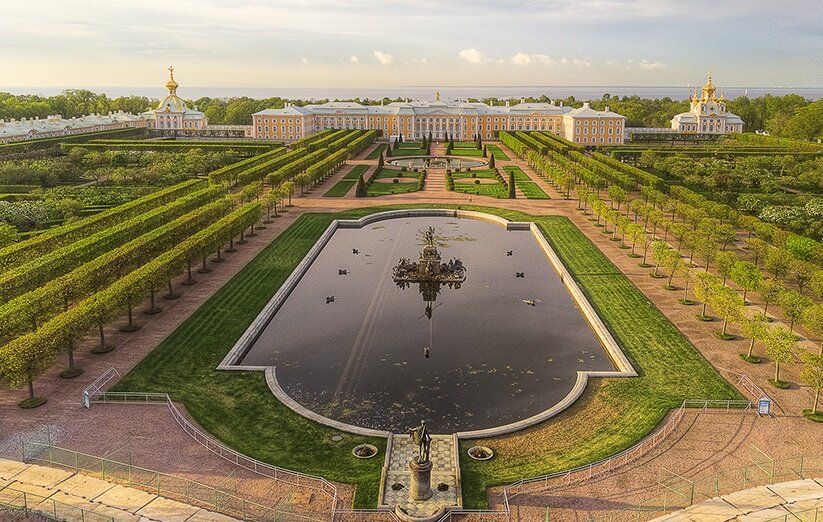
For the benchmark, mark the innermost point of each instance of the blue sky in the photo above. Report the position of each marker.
(358, 43)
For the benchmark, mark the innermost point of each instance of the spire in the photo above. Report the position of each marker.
(171, 85)
(437, 95)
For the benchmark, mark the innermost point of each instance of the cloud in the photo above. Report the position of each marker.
(383, 58)
(304, 60)
(422, 61)
(471, 55)
(651, 66)
(582, 63)
(527, 59)
(354, 59)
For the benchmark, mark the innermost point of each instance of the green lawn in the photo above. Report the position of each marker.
(475, 173)
(238, 408)
(409, 148)
(527, 186)
(467, 152)
(519, 175)
(342, 187)
(496, 190)
(497, 152)
(373, 155)
(385, 189)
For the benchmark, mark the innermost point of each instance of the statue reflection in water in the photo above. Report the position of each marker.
(430, 273)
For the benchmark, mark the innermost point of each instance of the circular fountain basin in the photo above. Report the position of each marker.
(436, 162)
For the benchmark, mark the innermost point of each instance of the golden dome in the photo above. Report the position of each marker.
(709, 89)
(171, 85)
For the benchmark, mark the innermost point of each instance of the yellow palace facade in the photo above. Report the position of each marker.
(456, 119)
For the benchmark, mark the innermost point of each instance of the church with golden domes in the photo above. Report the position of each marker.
(173, 113)
(707, 114)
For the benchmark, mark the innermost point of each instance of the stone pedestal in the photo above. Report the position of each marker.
(421, 477)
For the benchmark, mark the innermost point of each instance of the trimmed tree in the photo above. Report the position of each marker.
(755, 327)
(793, 305)
(769, 290)
(813, 322)
(512, 193)
(491, 162)
(704, 285)
(812, 374)
(360, 190)
(747, 275)
(780, 344)
(728, 304)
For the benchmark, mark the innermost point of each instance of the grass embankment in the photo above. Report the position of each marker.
(463, 183)
(373, 155)
(238, 408)
(342, 187)
(527, 186)
(378, 188)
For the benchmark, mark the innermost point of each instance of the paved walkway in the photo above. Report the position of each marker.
(76, 497)
(445, 470)
(800, 500)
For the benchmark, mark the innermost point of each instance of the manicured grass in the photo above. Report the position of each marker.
(409, 148)
(531, 190)
(497, 152)
(467, 152)
(476, 173)
(342, 187)
(527, 186)
(238, 408)
(356, 172)
(495, 190)
(373, 155)
(384, 189)
(396, 173)
(519, 175)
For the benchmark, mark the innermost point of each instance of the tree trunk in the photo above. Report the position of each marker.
(153, 309)
(816, 397)
(31, 382)
(170, 295)
(231, 244)
(204, 269)
(71, 359)
(242, 240)
(219, 258)
(703, 311)
(776, 372)
(725, 322)
(751, 349)
(251, 231)
(189, 280)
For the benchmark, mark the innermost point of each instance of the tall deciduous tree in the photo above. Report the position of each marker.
(727, 304)
(812, 374)
(755, 327)
(705, 283)
(793, 305)
(780, 345)
(747, 275)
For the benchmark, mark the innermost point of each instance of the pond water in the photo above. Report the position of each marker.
(494, 358)
(435, 162)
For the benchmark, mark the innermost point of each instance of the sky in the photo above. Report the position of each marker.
(385, 43)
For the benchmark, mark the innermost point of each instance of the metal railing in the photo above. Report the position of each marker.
(357, 515)
(742, 380)
(160, 484)
(261, 468)
(807, 515)
(23, 504)
(679, 493)
(468, 514)
(571, 476)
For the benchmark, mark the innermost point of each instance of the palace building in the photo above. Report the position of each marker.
(458, 119)
(173, 113)
(707, 114)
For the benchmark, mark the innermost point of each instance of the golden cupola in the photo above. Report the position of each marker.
(709, 90)
(171, 85)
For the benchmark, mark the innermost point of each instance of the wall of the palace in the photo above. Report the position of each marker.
(594, 131)
(288, 128)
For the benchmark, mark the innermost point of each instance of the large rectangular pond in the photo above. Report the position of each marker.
(501, 348)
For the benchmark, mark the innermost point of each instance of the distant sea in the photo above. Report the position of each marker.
(427, 92)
